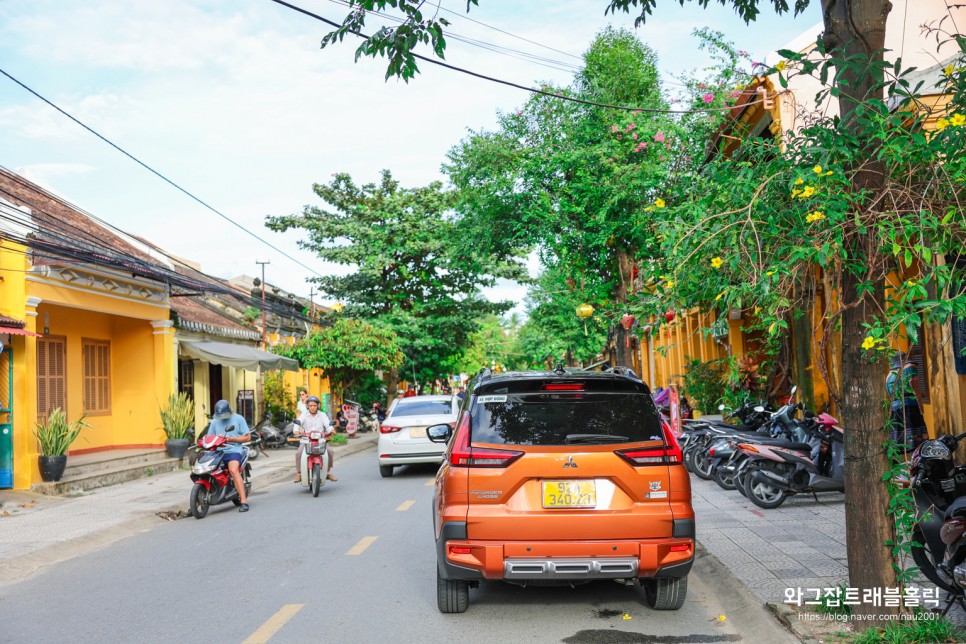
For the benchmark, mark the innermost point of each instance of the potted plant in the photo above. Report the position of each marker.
(54, 436)
(177, 419)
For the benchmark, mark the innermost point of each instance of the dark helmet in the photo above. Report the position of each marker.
(313, 399)
(222, 410)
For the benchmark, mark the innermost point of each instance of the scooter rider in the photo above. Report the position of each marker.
(221, 420)
(312, 420)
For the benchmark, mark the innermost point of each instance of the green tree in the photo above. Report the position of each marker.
(408, 272)
(548, 179)
(348, 352)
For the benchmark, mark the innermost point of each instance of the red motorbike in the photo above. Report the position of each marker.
(312, 467)
(212, 481)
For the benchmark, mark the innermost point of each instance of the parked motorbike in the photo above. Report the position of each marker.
(212, 481)
(939, 489)
(774, 472)
(312, 466)
(276, 436)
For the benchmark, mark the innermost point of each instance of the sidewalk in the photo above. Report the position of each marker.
(38, 530)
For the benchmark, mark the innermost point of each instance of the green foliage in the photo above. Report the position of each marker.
(55, 434)
(367, 389)
(704, 383)
(250, 315)
(339, 439)
(178, 415)
(924, 626)
(409, 273)
(346, 351)
(277, 395)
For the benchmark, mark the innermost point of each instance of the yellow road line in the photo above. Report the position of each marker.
(274, 623)
(430, 482)
(360, 547)
(405, 506)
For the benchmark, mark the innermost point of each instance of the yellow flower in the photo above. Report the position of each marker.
(669, 284)
(812, 217)
(799, 181)
(716, 262)
(808, 192)
(949, 69)
(719, 296)
(770, 273)
(942, 124)
(781, 66)
(868, 343)
(658, 203)
(796, 192)
(957, 120)
(828, 173)
(817, 169)
(757, 310)
(660, 237)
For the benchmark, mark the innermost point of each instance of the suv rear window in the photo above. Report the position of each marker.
(422, 408)
(555, 419)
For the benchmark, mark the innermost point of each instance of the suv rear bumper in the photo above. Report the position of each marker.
(563, 560)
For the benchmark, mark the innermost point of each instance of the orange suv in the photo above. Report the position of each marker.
(561, 477)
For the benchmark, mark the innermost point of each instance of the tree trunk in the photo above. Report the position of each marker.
(857, 29)
(623, 355)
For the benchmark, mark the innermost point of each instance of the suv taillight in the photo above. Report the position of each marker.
(388, 429)
(462, 455)
(669, 453)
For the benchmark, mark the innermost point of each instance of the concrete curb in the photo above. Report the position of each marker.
(789, 617)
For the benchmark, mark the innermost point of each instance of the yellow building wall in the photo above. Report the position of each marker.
(13, 302)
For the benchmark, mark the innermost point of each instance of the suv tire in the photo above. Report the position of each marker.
(385, 471)
(663, 593)
(452, 595)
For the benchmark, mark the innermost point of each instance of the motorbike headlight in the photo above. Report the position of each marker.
(202, 468)
(934, 449)
(315, 435)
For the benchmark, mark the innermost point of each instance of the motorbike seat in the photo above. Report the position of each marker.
(781, 442)
(956, 508)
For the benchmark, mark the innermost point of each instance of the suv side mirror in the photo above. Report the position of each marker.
(439, 433)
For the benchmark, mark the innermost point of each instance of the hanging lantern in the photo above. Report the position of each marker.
(627, 321)
(585, 311)
(669, 315)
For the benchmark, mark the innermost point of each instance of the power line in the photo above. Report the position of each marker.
(532, 90)
(159, 175)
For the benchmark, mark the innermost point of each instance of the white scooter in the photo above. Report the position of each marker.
(313, 466)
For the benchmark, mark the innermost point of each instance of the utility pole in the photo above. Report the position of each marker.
(263, 297)
(311, 303)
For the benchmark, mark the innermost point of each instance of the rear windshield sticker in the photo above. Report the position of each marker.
(491, 399)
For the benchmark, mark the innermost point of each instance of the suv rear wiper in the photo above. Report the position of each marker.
(594, 438)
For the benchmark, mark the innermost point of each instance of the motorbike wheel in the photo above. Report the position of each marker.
(198, 503)
(740, 482)
(316, 479)
(726, 481)
(687, 458)
(701, 464)
(763, 495)
(923, 557)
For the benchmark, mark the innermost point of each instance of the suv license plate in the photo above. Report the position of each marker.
(569, 494)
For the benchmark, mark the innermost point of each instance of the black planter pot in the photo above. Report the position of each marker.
(176, 447)
(52, 467)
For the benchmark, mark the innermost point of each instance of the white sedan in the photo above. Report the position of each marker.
(402, 436)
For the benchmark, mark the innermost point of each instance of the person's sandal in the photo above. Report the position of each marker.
(331, 476)
(298, 478)
(243, 507)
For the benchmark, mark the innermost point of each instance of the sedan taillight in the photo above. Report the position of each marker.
(388, 429)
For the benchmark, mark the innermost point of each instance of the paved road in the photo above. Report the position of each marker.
(354, 565)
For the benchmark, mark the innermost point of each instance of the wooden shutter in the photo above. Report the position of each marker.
(97, 376)
(51, 374)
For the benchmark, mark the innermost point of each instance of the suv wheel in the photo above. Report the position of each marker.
(452, 595)
(385, 471)
(663, 594)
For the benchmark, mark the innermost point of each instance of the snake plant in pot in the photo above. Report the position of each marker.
(54, 435)
(177, 419)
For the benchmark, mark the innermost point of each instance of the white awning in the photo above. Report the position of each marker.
(237, 355)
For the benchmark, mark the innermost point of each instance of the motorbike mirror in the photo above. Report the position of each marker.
(759, 408)
(809, 413)
(297, 422)
(439, 433)
(721, 407)
(794, 389)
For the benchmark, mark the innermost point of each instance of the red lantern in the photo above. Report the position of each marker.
(669, 315)
(627, 321)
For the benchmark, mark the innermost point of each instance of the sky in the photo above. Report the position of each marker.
(234, 101)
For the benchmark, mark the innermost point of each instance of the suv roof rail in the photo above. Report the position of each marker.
(621, 371)
(483, 374)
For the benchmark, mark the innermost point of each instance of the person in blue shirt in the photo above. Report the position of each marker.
(907, 426)
(235, 429)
